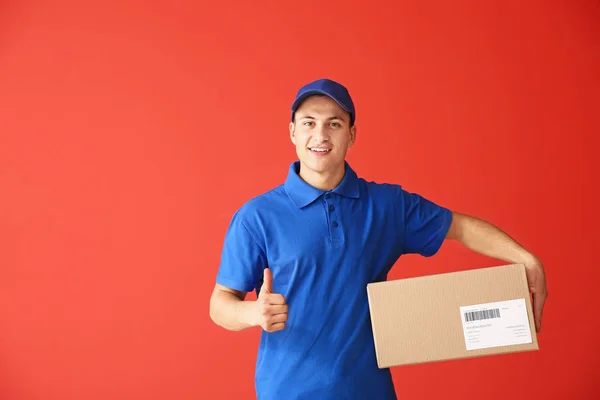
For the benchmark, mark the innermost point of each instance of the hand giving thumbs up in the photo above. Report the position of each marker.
(271, 308)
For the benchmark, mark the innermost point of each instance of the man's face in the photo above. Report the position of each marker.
(322, 134)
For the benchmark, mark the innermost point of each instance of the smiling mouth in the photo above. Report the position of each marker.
(319, 150)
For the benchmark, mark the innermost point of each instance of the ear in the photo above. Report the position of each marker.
(352, 135)
(293, 132)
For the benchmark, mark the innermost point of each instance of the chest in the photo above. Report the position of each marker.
(333, 242)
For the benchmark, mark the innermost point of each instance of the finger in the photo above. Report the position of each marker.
(277, 327)
(538, 309)
(273, 319)
(278, 309)
(275, 298)
(267, 286)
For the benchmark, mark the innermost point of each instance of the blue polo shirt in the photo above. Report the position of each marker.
(323, 248)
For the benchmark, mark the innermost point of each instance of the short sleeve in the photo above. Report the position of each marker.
(242, 259)
(426, 225)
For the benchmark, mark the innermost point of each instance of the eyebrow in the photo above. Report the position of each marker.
(328, 119)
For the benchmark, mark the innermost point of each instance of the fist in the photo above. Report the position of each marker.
(270, 308)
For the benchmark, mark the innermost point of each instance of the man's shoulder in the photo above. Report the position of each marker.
(271, 200)
(380, 190)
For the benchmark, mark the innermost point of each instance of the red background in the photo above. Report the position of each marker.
(130, 133)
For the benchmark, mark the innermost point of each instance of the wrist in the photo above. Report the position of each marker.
(531, 261)
(247, 313)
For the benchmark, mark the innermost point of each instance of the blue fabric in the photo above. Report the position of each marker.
(323, 247)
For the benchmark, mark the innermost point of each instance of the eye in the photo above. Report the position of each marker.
(307, 123)
(336, 124)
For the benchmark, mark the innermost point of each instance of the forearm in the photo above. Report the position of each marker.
(487, 239)
(230, 312)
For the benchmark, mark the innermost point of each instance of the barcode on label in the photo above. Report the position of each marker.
(483, 314)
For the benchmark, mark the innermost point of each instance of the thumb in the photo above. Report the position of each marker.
(267, 286)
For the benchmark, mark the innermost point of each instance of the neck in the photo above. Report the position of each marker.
(327, 180)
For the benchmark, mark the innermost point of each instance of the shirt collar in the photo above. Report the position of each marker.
(302, 194)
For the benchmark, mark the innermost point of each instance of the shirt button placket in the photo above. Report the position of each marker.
(335, 227)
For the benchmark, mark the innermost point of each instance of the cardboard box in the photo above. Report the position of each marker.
(453, 315)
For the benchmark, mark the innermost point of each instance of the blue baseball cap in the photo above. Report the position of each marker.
(329, 88)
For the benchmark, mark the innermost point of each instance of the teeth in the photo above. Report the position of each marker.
(320, 150)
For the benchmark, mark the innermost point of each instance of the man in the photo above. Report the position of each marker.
(310, 246)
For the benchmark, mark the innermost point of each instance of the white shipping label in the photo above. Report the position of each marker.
(496, 324)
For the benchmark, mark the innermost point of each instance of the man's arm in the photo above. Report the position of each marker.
(230, 310)
(487, 239)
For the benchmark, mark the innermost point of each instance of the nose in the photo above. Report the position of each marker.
(321, 134)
